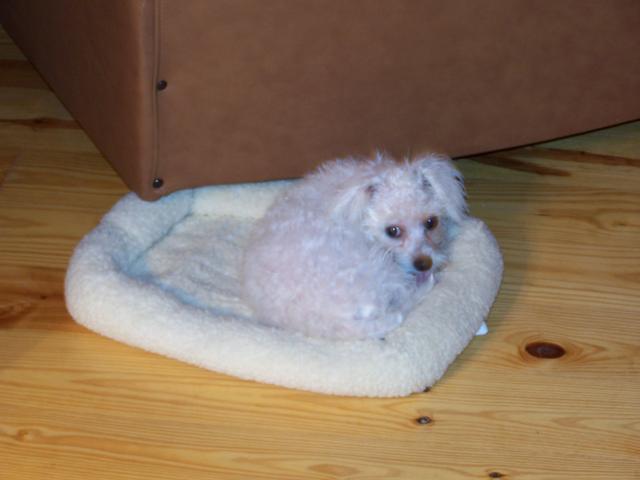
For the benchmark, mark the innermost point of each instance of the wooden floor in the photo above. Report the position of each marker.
(74, 405)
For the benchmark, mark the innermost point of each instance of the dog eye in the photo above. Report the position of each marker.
(394, 231)
(431, 223)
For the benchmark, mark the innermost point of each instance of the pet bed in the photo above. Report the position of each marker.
(162, 276)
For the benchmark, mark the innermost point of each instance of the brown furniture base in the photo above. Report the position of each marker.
(183, 94)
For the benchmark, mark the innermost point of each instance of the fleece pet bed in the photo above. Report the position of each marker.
(163, 276)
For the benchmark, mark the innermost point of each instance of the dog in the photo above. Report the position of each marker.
(347, 251)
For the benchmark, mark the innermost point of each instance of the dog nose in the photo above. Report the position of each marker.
(422, 263)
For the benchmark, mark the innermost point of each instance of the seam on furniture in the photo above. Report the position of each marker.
(157, 13)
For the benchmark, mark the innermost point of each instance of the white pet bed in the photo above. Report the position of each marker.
(163, 277)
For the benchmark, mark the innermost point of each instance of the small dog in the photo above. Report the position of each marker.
(347, 251)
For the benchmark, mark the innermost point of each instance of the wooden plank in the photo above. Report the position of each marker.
(622, 141)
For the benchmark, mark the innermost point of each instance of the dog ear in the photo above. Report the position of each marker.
(354, 183)
(352, 200)
(440, 176)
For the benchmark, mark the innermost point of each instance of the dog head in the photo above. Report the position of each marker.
(410, 209)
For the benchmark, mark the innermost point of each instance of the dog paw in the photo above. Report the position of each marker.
(365, 312)
(397, 318)
(381, 326)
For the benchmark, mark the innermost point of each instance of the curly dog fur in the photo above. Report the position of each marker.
(347, 251)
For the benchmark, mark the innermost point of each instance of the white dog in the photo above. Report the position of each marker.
(347, 251)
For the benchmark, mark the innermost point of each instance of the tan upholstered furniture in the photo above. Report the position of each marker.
(181, 94)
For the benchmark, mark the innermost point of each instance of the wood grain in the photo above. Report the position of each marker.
(74, 405)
